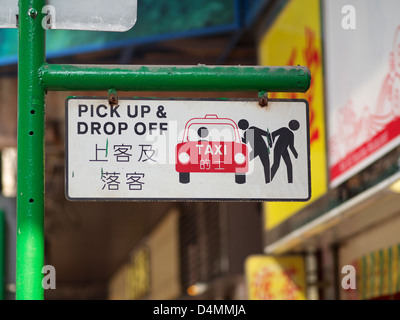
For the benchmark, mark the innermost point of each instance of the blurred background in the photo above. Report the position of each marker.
(342, 244)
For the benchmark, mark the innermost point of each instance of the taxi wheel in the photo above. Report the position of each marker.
(184, 177)
(240, 178)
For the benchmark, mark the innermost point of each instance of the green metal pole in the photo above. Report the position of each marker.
(175, 78)
(2, 254)
(30, 194)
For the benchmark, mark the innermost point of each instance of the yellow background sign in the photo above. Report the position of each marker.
(275, 278)
(295, 39)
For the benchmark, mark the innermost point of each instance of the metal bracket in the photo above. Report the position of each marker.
(112, 97)
(263, 98)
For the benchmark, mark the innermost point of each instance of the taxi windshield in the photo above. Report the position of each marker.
(211, 132)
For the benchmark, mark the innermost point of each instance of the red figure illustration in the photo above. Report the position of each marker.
(388, 103)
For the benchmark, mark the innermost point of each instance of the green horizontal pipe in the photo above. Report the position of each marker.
(174, 78)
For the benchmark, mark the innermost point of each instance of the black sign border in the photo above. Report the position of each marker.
(184, 199)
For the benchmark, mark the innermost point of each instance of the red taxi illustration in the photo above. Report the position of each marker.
(211, 144)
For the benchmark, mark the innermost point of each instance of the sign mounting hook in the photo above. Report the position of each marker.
(112, 97)
(263, 98)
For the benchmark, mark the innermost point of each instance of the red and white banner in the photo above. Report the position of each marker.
(363, 81)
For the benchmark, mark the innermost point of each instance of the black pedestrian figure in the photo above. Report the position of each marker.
(254, 136)
(285, 141)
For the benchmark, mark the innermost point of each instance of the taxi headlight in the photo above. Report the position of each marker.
(240, 158)
(183, 158)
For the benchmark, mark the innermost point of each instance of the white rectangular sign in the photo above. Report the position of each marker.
(8, 13)
(91, 15)
(149, 149)
(362, 64)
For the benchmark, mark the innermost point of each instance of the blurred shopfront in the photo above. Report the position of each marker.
(351, 48)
